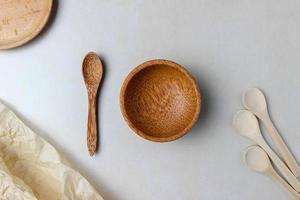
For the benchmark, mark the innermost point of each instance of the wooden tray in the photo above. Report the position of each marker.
(22, 20)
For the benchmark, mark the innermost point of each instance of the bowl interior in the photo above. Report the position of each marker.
(161, 102)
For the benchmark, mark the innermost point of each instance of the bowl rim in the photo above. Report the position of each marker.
(138, 69)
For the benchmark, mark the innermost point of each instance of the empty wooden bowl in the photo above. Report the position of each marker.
(160, 100)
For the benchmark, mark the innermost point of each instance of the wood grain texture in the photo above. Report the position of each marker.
(160, 101)
(92, 72)
(22, 20)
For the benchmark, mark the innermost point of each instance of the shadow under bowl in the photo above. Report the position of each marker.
(160, 100)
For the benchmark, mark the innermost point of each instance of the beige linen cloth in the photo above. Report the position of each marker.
(32, 169)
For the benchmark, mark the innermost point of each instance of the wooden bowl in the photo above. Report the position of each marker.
(160, 100)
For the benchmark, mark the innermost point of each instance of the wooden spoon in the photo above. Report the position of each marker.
(246, 124)
(257, 159)
(92, 70)
(255, 101)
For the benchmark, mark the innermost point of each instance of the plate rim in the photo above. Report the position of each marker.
(30, 36)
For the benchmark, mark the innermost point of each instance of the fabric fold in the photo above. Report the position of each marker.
(43, 172)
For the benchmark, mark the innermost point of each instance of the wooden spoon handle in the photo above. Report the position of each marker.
(281, 146)
(293, 194)
(92, 135)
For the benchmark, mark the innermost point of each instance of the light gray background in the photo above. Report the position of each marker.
(228, 46)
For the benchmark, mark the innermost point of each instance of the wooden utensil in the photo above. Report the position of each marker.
(257, 159)
(92, 72)
(255, 101)
(22, 20)
(160, 101)
(246, 124)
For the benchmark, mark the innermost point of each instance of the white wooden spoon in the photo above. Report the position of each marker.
(255, 101)
(246, 124)
(257, 159)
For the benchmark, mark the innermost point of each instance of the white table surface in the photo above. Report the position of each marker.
(228, 46)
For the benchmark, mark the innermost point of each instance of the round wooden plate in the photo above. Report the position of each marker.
(22, 20)
(160, 100)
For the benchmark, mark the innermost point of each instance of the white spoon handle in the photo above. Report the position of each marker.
(281, 146)
(293, 194)
(295, 183)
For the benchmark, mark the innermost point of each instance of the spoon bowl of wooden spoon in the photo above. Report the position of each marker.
(258, 160)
